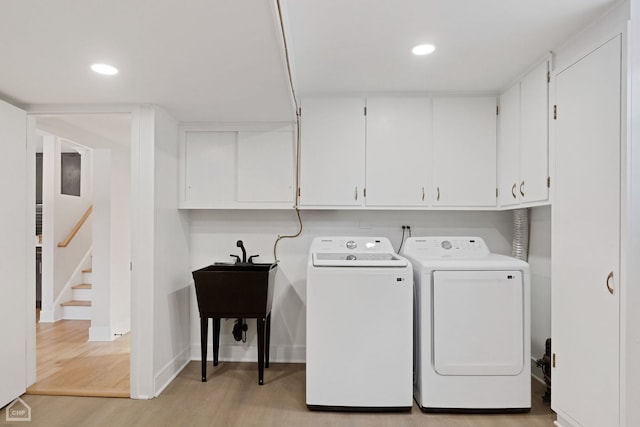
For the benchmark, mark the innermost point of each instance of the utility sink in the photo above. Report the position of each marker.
(235, 290)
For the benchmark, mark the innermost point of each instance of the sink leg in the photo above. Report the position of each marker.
(204, 326)
(267, 341)
(261, 328)
(216, 340)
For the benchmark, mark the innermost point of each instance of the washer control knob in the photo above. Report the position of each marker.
(351, 244)
(446, 244)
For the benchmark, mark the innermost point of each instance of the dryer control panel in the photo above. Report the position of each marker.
(457, 247)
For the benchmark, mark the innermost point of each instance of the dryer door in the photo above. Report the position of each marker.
(478, 322)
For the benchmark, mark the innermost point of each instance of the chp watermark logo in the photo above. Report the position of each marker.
(18, 410)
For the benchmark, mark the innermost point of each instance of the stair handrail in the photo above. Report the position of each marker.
(76, 228)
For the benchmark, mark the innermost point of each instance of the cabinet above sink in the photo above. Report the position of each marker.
(242, 167)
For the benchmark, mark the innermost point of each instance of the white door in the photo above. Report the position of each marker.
(509, 147)
(464, 151)
(586, 240)
(13, 262)
(265, 166)
(359, 337)
(478, 322)
(210, 168)
(398, 166)
(534, 146)
(332, 152)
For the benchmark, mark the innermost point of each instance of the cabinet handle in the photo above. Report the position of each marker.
(609, 277)
(438, 198)
(513, 190)
(521, 188)
(423, 194)
(355, 194)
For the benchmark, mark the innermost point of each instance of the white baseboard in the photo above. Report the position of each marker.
(563, 422)
(170, 371)
(47, 316)
(102, 333)
(536, 373)
(249, 353)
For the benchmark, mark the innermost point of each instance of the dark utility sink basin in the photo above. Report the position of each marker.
(235, 290)
(241, 290)
(238, 266)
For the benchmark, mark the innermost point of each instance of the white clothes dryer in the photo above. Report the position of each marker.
(359, 326)
(472, 327)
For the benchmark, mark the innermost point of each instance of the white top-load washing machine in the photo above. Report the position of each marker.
(472, 326)
(359, 325)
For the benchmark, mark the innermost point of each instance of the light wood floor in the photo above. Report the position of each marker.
(69, 365)
(232, 397)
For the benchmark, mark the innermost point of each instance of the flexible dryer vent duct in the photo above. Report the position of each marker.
(520, 245)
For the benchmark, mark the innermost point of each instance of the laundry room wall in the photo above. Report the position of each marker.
(213, 236)
(540, 265)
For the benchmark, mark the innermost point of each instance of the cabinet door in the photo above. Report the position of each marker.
(210, 161)
(586, 240)
(464, 151)
(509, 147)
(332, 152)
(399, 147)
(265, 166)
(534, 151)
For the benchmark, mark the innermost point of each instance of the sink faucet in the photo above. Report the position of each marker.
(244, 252)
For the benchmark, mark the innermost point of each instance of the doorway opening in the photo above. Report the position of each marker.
(83, 253)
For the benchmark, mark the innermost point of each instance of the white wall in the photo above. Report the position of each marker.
(631, 302)
(101, 252)
(60, 214)
(171, 274)
(111, 249)
(120, 307)
(160, 256)
(540, 265)
(213, 236)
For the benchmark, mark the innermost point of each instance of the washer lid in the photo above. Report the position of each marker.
(357, 259)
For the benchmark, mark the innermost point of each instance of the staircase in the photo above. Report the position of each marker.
(79, 308)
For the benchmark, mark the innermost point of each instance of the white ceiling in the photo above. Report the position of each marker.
(202, 60)
(365, 46)
(222, 60)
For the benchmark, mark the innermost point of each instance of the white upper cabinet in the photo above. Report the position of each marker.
(399, 146)
(332, 152)
(464, 151)
(509, 147)
(534, 131)
(237, 169)
(266, 166)
(209, 168)
(523, 149)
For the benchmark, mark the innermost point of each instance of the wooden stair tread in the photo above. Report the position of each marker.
(82, 286)
(75, 303)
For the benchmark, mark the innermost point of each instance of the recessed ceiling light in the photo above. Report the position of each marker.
(423, 49)
(106, 69)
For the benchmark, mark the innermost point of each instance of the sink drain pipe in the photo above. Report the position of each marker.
(520, 244)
